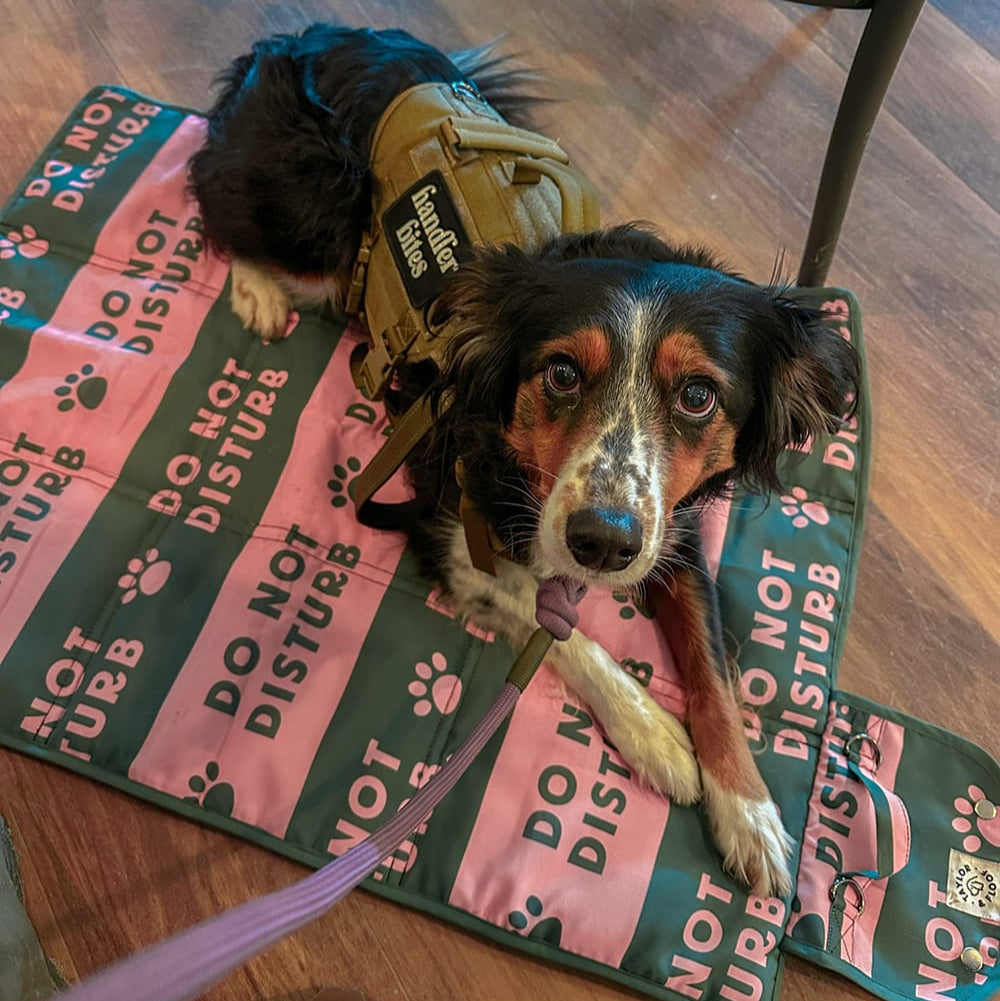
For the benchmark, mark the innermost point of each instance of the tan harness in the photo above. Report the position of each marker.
(451, 174)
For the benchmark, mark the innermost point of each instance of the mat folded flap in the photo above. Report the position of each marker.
(190, 611)
(899, 879)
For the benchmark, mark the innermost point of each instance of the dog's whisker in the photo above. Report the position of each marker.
(540, 469)
(535, 502)
(679, 562)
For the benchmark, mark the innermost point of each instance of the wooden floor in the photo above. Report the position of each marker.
(707, 117)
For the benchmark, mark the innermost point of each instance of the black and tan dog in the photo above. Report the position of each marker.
(604, 387)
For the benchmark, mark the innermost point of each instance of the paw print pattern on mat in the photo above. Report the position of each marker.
(86, 389)
(342, 484)
(630, 607)
(23, 243)
(975, 821)
(803, 511)
(434, 687)
(546, 930)
(219, 797)
(145, 575)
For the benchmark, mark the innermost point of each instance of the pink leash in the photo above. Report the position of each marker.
(183, 967)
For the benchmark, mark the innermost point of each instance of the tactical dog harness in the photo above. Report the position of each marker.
(451, 173)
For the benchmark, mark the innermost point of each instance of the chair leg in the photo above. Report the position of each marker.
(882, 42)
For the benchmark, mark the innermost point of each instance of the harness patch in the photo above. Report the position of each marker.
(426, 236)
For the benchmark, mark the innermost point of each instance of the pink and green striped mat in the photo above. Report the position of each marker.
(189, 612)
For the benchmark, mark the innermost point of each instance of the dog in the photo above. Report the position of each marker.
(603, 389)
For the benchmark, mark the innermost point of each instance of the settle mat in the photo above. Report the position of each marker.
(190, 612)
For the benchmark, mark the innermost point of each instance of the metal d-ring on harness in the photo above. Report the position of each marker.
(183, 967)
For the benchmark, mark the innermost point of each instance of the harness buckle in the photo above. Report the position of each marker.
(373, 373)
(356, 290)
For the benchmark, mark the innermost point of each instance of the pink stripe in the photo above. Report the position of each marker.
(554, 785)
(816, 867)
(633, 637)
(268, 770)
(136, 382)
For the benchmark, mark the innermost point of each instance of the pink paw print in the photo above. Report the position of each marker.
(144, 575)
(803, 511)
(23, 243)
(976, 808)
(434, 687)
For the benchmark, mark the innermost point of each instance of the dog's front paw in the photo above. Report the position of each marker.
(655, 744)
(259, 302)
(658, 749)
(754, 844)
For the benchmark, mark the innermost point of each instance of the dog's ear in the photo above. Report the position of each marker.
(806, 382)
(487, 302)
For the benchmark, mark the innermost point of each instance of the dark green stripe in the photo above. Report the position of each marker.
(686, 857)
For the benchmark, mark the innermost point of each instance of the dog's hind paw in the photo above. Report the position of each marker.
(754, 844)
(259, 301)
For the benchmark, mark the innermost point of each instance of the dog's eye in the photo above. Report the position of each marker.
(562, 376)
(697, 399)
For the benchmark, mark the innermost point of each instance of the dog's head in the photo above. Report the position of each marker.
(610, 380)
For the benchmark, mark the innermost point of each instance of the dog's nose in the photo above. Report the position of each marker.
(602, 538)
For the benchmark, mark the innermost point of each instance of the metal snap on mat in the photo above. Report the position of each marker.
(985, 809)
(972, 959)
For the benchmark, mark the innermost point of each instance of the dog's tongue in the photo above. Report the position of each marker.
(555, 605)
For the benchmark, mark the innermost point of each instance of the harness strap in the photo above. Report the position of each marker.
(356, 290)
(407, 433)
(486, 134)
(580, 204)
(478, 537)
